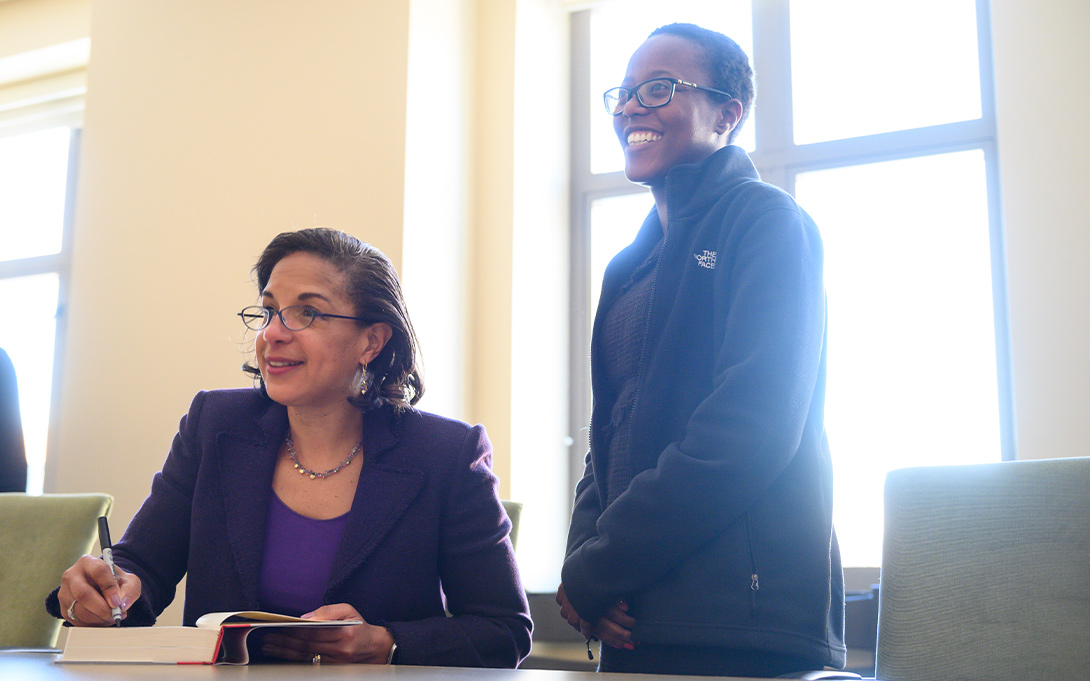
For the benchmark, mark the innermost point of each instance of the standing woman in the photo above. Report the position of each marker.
(323, 492)
(701, 538)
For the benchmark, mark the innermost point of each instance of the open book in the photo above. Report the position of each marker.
(218, 638)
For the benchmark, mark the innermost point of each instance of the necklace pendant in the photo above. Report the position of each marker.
(312, 476)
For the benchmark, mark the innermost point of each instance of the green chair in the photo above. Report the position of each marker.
(514, 511)
(41, 537)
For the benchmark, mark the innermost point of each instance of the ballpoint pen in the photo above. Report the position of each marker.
(108, 556)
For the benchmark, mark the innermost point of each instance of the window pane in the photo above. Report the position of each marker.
(33, 175)
(618, 28)
(912, 368)
(614, 222)
(29, 343)
(861, 67)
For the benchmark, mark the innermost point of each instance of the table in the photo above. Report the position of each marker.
(40, 666)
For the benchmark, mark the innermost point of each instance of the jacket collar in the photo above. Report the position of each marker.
(692, 188)
(388, 485)
(246, 460)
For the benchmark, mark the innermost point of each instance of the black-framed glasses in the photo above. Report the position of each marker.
(651, 94)
(294, 317)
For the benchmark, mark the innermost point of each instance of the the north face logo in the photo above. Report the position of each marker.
(705, 259)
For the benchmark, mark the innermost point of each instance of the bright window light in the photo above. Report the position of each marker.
(912, 360)
(614, 222)
(33, 186)
(860, 67)
(29, 342)
(33, 178)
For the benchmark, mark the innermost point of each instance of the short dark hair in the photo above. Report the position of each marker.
(726, 62)
(393, 377)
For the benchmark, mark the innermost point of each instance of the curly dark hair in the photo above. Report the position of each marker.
(725, 61)
(393, 377)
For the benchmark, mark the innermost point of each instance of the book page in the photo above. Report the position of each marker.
(164, 645)
(213, 620)
(218, 638)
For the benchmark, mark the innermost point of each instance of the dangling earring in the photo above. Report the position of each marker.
(363, 379)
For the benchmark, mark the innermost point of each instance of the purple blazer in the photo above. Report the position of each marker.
(426, 523)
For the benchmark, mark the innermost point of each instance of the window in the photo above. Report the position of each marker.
(879, 118)
(34, 186)
(41, 110)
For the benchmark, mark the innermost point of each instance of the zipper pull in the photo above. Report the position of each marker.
(590, 655)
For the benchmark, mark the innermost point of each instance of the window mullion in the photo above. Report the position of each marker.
(881, 147)
(772, 116)
(579, 207)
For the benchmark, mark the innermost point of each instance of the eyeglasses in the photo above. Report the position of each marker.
(294, 318)
(651, 94)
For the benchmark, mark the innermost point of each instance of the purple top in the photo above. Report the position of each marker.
(297, 559)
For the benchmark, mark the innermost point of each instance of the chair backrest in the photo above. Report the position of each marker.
(986, 572)
(41, 537)
(514, 512)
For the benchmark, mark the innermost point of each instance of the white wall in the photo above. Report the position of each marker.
(1042, 73)
(439, 186)
(27, 25)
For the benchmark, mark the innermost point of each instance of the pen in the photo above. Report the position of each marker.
(108, 556)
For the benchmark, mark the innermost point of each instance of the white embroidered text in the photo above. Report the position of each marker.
(705, 259)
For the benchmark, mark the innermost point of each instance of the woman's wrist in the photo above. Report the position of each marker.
(385, 647)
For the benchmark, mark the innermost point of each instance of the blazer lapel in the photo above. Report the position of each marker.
(246, 463)
(383, 494)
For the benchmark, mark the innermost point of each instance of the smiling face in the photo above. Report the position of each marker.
(687, 130)
(315, 367)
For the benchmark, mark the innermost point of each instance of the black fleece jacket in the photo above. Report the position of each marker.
(724, 536)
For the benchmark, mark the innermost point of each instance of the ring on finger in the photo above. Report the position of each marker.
(72, 612)
(317, 659)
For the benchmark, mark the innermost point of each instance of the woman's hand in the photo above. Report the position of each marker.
(363, 643)
(568, 613)
(88, 591)
(615, 627)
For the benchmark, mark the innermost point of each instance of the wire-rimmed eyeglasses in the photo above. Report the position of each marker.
(651, 94)
(294, 317)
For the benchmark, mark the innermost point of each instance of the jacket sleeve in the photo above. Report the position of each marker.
(585, 511)
(155, 545)
(489, 623)
(768, 324)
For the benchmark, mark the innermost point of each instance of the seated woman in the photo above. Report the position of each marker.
(324, 493)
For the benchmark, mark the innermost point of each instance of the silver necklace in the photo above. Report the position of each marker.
(314, 474)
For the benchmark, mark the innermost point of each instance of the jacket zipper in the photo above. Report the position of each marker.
(650, 307)
(754, 579)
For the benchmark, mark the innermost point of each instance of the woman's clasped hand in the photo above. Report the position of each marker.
(361, 643)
